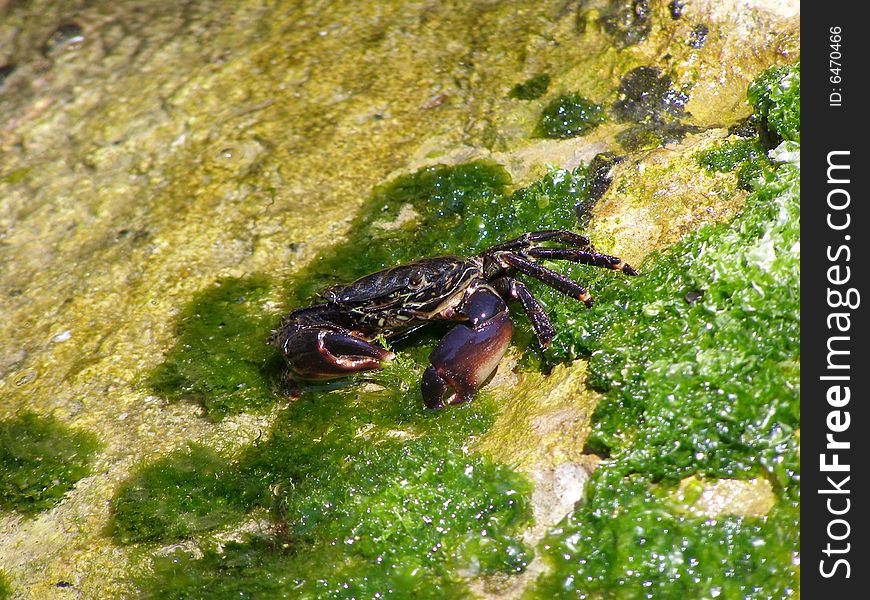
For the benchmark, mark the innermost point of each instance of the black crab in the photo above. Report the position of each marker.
(338, 337)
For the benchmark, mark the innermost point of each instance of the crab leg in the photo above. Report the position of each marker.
(508, 287)
(527, 239)
(584, 257)
(558, 282)
(468, 355)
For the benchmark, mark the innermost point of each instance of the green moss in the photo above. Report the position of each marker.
(646, 549)
(531, 89)
(746, 157)
(41, 459)
(367, 494)
(365, 491)
(220, 358)
(729, 155)
(264, 568)
(775, 95)
(178, 496)
(698, 360)
(5, 588)
(569, 116)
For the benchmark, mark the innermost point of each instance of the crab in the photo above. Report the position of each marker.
(341, 335)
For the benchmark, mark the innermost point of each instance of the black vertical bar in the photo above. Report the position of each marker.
(835, 458)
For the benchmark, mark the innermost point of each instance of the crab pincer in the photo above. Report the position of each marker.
(318, 349)
(466, 357)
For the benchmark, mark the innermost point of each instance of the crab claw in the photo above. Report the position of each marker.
(327, 352)
(467, 356)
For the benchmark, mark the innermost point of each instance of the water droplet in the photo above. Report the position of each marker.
(61, 337)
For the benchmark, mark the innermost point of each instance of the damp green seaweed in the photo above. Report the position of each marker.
(775, 96)
(220, 358)
(568, 116)
(699, 364)
(176, 497)
(41, 459)
(364, 491)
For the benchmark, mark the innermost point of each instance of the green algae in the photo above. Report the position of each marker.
(183, 494)
(41, 459)
(699, 364)
(646, 95)
(365, 491)
(367, 495)
(746, 157)
(775, 96)
(5, 588)
(220, 358)
(695, 388)
(531, 89)
(568, 116)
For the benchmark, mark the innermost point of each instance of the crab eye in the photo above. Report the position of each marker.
(416, 278)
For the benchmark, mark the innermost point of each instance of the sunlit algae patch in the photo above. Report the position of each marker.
(365, 494)
(358, 490)
(700, 370)
(41, 459)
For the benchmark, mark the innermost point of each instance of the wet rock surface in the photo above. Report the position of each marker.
(151, 150)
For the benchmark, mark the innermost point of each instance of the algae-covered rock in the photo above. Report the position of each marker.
(173, 180)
